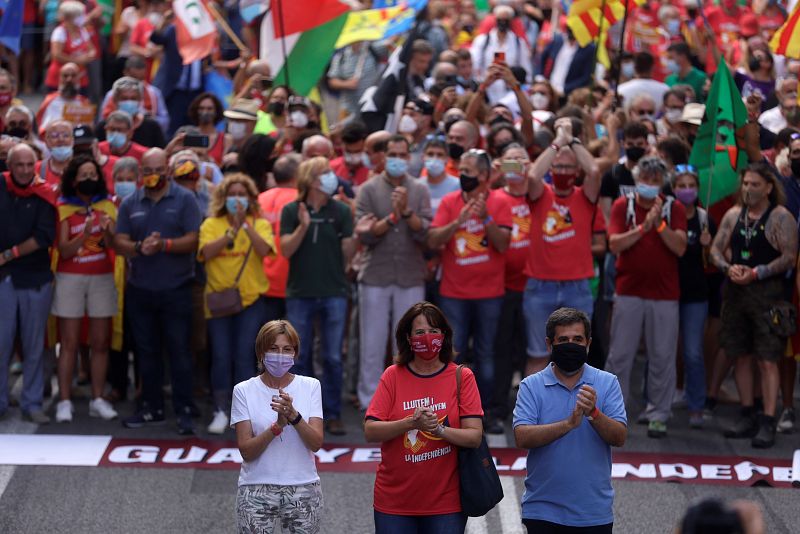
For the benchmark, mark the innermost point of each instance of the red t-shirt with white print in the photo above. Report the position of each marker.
(418, 473)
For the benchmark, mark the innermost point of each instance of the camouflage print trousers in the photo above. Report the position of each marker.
(298, 508)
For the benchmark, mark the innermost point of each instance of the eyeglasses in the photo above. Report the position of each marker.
(685, 169)
(55, 136)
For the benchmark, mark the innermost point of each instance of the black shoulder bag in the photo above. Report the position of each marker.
(480, 485)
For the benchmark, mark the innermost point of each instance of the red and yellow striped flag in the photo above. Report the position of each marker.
(584, 17)
(786, 40)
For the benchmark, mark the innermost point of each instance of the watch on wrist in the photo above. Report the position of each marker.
(407, 214)
(575, 141)
(8, 255)
(137, 247)
(296, 419)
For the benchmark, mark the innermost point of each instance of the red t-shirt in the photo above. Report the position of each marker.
(517, 253)
(276, 268)
(340, 168)
(418, 473)
(135, 150)
(561, 237)
(648, 270)
(726, 28)
(94, 256)
(471, 267)
(47, 174)
(140, 36)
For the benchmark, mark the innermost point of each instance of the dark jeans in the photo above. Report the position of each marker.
(161, 322)
(509, 351)
(232, 357)
(332, 312)
(118, 360)
(535, 526)
(478, 318)
(420, 524)
(275, 308)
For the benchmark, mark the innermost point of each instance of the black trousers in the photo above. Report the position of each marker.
(509, 351)
(536, 526)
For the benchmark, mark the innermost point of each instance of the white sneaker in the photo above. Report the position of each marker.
(64, 412)
(100, 407)
(219, 423)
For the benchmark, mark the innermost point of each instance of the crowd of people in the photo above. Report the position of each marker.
(144, 218)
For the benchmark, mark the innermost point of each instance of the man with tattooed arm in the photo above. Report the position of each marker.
(755, 246)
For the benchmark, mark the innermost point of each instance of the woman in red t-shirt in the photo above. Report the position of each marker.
(416, 416)
(84, 279)
(205, 112)
(70, 42)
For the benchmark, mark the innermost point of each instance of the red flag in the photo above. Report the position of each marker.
(294, 16)
(196, 32)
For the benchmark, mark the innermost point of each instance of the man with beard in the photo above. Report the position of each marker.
(52, 107)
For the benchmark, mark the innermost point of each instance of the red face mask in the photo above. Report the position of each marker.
(563, 181)
(427, 346)
(5, 98)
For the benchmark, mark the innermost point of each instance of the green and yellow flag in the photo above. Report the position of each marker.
(715, 155)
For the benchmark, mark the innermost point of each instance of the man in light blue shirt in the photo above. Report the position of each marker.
(568, 416)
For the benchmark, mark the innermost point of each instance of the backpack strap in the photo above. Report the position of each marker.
(630, 211)
(666, 210)
(458, 386)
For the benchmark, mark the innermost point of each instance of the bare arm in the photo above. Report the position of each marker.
(379, 431)
(782, 235)
(468, 436)
(591, 185)
(675, 240)
(621, 242)
(212, 249)
(186, 244)
(124, 245)
(610, 430)
(539, 168)
(498, 237)
(349, 245)
(251, 446)
(598, 245)
(260, 246)
(722, 240)
(67, 247)
(535, 436)
(605, 207)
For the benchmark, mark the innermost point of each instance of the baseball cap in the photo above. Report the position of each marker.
(83, 135)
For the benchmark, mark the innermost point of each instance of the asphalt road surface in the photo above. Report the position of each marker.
(134, 499)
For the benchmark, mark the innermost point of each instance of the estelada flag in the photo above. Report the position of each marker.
(195, 29)
(786, 40)
(295, 16)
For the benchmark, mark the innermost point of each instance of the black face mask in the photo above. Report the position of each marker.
(569, 357)
(469, 183)
(454, 150)
(795, 167)
(17, 131)
(634, 153)
(498, 149)
(690, 138)
(469, 28)
(276, 108)
(503, 25)
(547, 14)
(3, 166)
(754, 64)
(499, 119)
(87, 187)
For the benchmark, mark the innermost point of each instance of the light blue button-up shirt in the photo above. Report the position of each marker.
(568, 482)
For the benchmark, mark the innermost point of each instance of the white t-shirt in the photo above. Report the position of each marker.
(286, 461)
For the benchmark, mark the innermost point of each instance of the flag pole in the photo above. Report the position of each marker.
(226, 28)
(619, 53)
(283, 42)
(597, 46)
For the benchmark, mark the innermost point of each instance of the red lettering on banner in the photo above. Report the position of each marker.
(349, 458)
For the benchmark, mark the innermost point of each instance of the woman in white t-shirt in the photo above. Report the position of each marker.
(278, 420)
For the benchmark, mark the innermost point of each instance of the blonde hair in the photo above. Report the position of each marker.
(309, 171)
(216, 206)
(70, 9)
(269, 333)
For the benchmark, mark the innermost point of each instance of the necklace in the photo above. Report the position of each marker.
(749, 232)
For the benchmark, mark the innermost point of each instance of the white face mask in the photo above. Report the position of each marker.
(407, 125)
(540, 101)
(237, 130)
(354, 158)
(298, 119)
(673, 115)
(155, 19)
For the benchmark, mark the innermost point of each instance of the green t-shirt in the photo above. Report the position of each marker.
(696, 78)
(316, 269)
(264, 124)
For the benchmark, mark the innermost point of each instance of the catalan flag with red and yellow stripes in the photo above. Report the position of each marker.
(786, 40)
(584, 18)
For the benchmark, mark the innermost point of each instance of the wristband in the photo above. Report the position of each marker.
(8, 255)
(296, 419)
(488, 220)
(15, 251)
(555, 147)
(575, 141)
(661, 227)
(167, 245)
(245, 225)
(595, 413)
(137, 247)
(393, 218)
(755, 273)
(407, 214)
(641, 229)
(275, 429)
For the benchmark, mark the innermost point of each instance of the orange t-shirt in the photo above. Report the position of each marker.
(471, 267)
(135, 150)
(276, 267)
(94, 256)
(561, 237)
(47, 174)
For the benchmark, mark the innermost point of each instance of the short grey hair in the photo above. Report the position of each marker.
(120, 116)
(125, 164)
(651, 165)
(639, 98)
(184, 155)
(285, 168)
(19, 147)
(308, 141)
(481, 158)
(20, 109)
(128, 82)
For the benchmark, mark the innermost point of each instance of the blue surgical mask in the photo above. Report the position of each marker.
(647, 192)
(232, 203)
(628, 70)
(673, 66)
(328, 183)
(277, 364)
(124, 189)
(131, 107)
(116, 139)
(513, 177)
(61, 153)
(396, 167)
(434, 166)
(674, 26)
